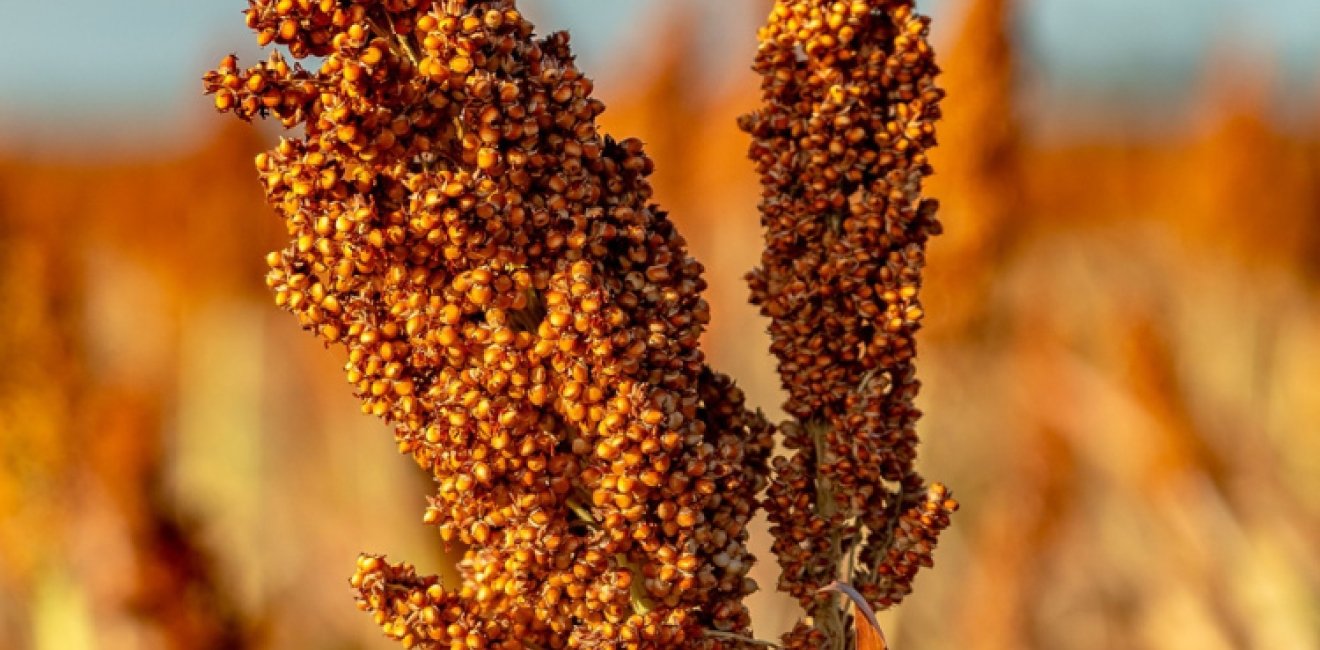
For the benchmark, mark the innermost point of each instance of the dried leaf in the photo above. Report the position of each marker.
(869, 636)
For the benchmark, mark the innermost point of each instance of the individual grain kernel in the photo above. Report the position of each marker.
(460, 65)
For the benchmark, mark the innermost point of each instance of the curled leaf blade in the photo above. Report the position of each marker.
(865, 626)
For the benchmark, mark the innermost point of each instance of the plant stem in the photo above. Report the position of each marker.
(827, 615)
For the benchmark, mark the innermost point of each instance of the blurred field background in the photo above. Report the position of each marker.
(1122, 358)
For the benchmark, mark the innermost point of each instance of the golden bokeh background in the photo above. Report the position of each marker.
(1121, 367)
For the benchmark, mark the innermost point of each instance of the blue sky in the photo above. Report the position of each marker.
(109, 59)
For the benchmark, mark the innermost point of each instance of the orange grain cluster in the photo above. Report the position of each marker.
(512, 302)
(840, 142)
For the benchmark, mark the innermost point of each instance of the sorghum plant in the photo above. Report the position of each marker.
(513, 303)
(840, 141)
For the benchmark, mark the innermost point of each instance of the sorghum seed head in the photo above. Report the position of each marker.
(514, 306)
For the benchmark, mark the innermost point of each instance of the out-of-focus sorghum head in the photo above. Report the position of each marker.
(512, 302)
(42, 392)
(840, 142)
